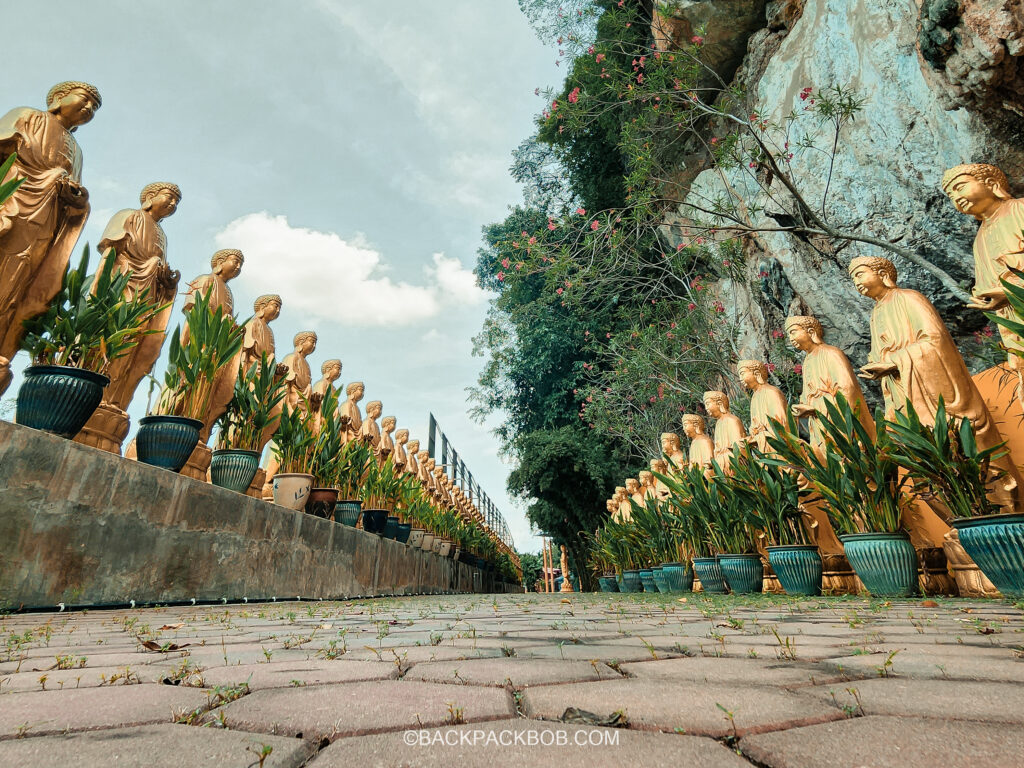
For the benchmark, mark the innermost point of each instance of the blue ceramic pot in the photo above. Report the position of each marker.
(375, 520)
(743, 573)
(558, 583)
(659, 580)
(647, 579)
(631, 582)
(233, 468)
(167, 441)
(347, 512)
(996, 544)
(678, 576)
(402, 531)
(608, 584)
(885, 562)
(710, 574)
(58, 399)
(798, 568)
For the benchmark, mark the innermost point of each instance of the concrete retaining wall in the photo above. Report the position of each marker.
(84, 527)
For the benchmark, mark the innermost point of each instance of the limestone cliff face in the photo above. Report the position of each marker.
(944, 80)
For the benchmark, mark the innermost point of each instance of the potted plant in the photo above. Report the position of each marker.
(862, 486)
(694, 502)
(293, 445)
(253, 409)
(167, 438)
(329, 437)
(771, 493)
(88, 325)
(351, 467)
(380, 492)
(945, 465)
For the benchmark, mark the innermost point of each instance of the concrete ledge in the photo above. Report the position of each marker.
(85, 527)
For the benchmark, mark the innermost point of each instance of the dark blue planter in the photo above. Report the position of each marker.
(558, 583)
(347, 512)
(647, 579)
(402, 532)
(659, 580)
(58, 399)
(798, 568)
(996, 544)
(375, 520)
(233, 468)
(885, 562)
(710, 574)
(678, 576)
(630, 582)
(743, 573)
(608, 584)
(391, 527)
(167, 441)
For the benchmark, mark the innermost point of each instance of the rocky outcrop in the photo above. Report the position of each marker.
(927, 109)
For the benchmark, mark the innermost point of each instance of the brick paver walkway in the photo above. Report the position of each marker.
(519, 679)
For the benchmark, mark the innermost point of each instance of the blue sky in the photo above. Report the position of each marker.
(352, 150)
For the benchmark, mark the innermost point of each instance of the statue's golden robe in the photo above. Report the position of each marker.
(766, 403)
(702, 451)
(827, 372)
(999, 245)
(729, 430)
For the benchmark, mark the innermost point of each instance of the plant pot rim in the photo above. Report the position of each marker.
(161, 418)
(222, 451)
(374, 509)
(710, 559)
(69, 370)
(349, 501)
(868, 535)
(970, 522)
(742, 554)
(293, 474)
(792, 547)
(647, 570)
(673, 563)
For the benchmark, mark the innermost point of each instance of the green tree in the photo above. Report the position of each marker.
(532, 566)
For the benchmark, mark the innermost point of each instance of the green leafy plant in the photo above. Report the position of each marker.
(257, 394)
(86, 328)
(214, 338)
(329, 440)
(10, 186)
(770, 493)
(351, 468)
(381, 488)
(1014, 292)
(294, 440)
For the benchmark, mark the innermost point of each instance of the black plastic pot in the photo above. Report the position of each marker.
(375, 520)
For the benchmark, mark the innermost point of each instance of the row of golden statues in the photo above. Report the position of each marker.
(914, 359)
(39, 227)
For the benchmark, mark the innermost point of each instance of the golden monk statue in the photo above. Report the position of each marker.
(613, 508)
(647, 486)
(40, 223)
(330, 372)
(423, 470)
(386, 446)
(566, 580)
(766, 401)
(671, 448)
(729, 429)
(982, 191)
(259, 338)
(660, 489)
(400, 459)
(636, 493)
(702, 449)
(369, 433)
(916, 360)
(140, 247)
(349, 417)
(412, 466)
(298, 391)
(622, 500)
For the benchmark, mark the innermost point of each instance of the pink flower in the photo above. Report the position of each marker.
(599, 58)
(805, 93)
(798, 369)
(551, 225)
(501, 275)
(771, 367)
(519, 265)
(586, 333)
(594, 225)
(714, 140)
(697, 40)
(532, 241)
(581, 211)
(590, 50)
(505, 263)
(653, 399)
(515, 243)
(777, 334)
(559, 291)
(691, 306)
(574, 95)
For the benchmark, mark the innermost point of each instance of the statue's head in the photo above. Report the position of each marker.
(355, 391)
(975, 188)
(620, 492)
(421, 456)
(374, 408)
(804, 332)
(76, 102)
(646, 478)
(752, 373)
(331, 369)
(402, 436)
(267, 307)
(388, 424)
(660, 466)
(305, 342)
(632, 485)
(873, 276)
(716, 403)
(227, 263)
(669, 442)
(610, 505)
(414, 446)
(693, 425)
(160, 198)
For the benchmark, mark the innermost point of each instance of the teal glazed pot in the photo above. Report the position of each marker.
(996, 544)
(659, 580)
(679, 577)
(885, 562)
(347, 512)
(374, 520)
(631, 582)
(391, 527)
(58, 399)
(233, 468)
(402, 531)
(167, 441)
(743, 573)
(798, 568)
(710, 574)
(608, 584)
(647, 579)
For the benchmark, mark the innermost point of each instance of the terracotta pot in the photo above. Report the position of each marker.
(321, 502)
(291, 489)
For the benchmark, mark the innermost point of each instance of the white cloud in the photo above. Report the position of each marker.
(325, 277)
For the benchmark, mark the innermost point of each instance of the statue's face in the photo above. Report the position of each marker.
(231, 268)
(272, 311)
(868, 282)
(714, 407)
(748, 378)
(667, 445)
(78, 107)
(632, 486)
(689, 429)
(800, 338)
(163, 204)
(307, 347)
(334, 373)
(414, 446)
(969, 194)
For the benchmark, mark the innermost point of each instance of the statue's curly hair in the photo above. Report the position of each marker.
(60, 90)
(983, 172)
(810, 324)
(876, 264)
(152, 190)
(222, 255)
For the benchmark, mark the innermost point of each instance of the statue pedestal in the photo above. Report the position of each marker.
(970, 581)
(106, 429)
(256, 486)
(198, 465)
(933, 577)
(837, 576)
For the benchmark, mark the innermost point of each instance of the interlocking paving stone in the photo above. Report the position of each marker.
(330, 711)
(48, 712)
(521, 672)
(154, 746)
(931, 662)
(889, 742)
(298, 673)
(633, 748)
(692, 707)
(731, 671)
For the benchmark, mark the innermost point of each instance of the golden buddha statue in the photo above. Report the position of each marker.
(412, 466)
(915, 359)
(702, 449)
(349, 417)
(613, 508)
(298, 392)
(671, 448)
(259, 338)
(424, 467)
(635, 492)
(330, 372)
(660, 489)
(140, 247)
(566, 580)
(386, 446)
(624, 507)
(729, 430)
(369, 433)
(399, 458)
(40, 223)
(647, 487)
(766, 401)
